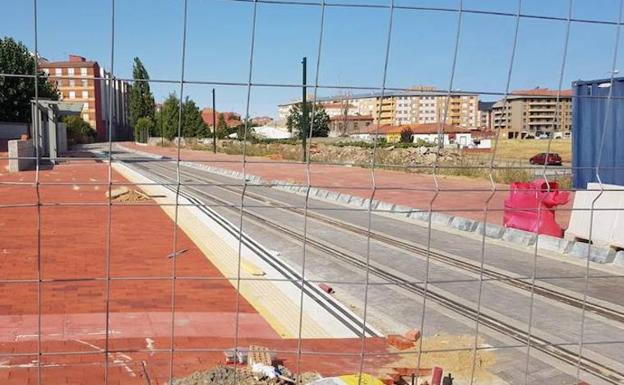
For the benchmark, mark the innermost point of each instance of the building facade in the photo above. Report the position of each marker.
(84, 81)
(531, 113)
(420, 106)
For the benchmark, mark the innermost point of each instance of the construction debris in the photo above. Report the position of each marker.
(124, 194)
(231, 375)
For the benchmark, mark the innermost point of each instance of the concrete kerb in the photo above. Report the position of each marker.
(523, 238)
(619, 258)
(464, 224)
(441, 219)
(519, 236)
(384, 206)
(550, 243)
(596, 254)
(490, 230)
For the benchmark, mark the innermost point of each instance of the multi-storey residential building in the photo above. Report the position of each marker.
(529, 113)
(484, 119)
(84, 81)
(420, 106)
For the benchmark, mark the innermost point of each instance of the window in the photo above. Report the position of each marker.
(72, 94)
(85, 83)
(70, 71)
(58, 71)
(83, 71)
(72, 83)
(85, 94)
(85, 106)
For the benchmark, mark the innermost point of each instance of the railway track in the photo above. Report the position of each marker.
(556, 351)
(520, 283)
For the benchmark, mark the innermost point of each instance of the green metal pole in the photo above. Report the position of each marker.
(304, 110)
(214, 123)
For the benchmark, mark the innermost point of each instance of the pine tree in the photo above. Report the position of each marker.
(141, 98)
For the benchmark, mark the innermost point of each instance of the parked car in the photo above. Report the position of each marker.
(552, 159)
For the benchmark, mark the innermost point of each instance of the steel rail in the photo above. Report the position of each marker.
(589, 365)
(520, 283)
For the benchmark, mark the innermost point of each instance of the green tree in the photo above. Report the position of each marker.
(318, 121)
(222, 127)
(192, 123)
(17, 92)
(407, 135)
(78, 131)
(142, 128)
(141, 98)
(169, 116)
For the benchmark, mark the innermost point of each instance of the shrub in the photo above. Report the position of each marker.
(142, 128)
(78, 131)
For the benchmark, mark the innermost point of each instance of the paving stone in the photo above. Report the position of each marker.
(490, 230)
(548, 242)
(598, 254)
(521, 237)
(464, 224)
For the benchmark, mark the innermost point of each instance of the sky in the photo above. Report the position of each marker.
(353, 47)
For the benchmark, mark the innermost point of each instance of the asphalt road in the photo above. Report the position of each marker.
(387, 277)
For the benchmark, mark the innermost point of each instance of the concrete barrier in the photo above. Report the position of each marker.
(18, 151)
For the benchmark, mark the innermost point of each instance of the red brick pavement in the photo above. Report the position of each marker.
(73, 247)
(457, 195)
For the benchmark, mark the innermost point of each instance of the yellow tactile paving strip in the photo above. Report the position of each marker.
(278, 310)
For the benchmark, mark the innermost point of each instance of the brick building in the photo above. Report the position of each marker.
(84, 81)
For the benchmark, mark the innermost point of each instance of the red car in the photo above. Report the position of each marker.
(552, 159)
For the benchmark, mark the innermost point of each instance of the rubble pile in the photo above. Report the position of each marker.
(235, 375)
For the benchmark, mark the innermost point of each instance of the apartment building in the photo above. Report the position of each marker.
(80, 80)
(530, 113)
(484, 118)
(419, 106)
